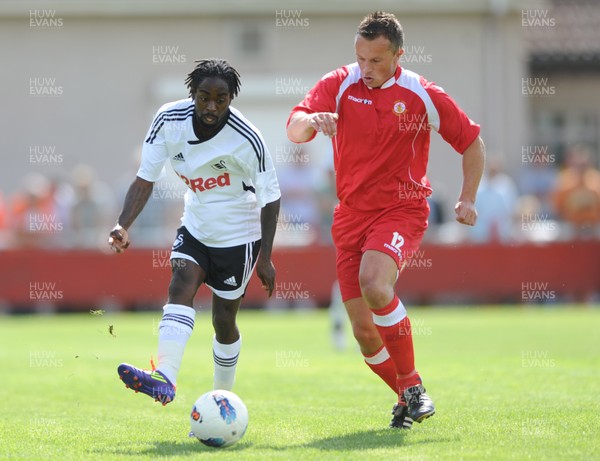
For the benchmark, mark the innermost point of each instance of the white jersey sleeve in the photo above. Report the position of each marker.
(267, 186)
(154, 149)
(258, 164)
(265, 180)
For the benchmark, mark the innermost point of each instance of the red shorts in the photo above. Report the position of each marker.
(396, 232)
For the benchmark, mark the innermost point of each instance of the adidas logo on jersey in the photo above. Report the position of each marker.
(231, 281)
(179, 157)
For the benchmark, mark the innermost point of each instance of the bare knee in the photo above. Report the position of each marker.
(376, 293)
(185, 281)
(224, 313)
(367, 336)
(376, 278)
(223, 321)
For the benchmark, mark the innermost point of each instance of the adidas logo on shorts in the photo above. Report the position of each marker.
(231, 281)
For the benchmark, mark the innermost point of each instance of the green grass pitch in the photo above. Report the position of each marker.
(511, 383)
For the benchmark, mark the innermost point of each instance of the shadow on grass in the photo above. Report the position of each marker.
(355, 441)
(364, 440)
(170, 448)
(178, 448)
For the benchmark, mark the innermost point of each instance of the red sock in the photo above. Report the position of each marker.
(381, 364)
(403, 382)
(395, 331)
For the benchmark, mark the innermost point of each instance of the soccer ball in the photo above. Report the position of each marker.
(219, 419)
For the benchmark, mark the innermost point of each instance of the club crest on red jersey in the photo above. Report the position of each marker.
(399, 107)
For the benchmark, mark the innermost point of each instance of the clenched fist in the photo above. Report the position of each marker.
(118, 239)
(466, 212)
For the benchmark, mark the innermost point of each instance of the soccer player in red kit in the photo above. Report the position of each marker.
(379, 117)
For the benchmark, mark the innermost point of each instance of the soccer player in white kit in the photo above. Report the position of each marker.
(228, 222)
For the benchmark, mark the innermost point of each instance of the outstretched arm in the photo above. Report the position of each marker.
(472, 164)
(268, 223)
(135, 200)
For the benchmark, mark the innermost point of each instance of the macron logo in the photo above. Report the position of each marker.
(360, 100)
(204, 184)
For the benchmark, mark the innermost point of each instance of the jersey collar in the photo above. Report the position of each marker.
(392, 79)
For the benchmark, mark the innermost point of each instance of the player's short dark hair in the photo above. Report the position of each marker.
(381, 24)
(212, 67)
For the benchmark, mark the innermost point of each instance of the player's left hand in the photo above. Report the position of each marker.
(266, 273)
(466, 212)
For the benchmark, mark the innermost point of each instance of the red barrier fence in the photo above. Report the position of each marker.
(82, 280)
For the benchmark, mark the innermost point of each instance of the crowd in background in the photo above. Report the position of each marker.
(540, 202)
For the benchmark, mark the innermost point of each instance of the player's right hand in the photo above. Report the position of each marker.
(466, 212)
(118, 239)
(325, 122)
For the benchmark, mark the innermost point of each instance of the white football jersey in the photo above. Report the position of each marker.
(230, 177)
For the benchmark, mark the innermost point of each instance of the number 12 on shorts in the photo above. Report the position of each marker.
(397, 241)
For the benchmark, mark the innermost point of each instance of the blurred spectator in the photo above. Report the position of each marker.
(577, 195)
(299, 216)
(535, 224)
(327, 200)
(436, 211)
(538, 180)
(4, 231)
(92, 204)
(34, 214)
(496, 202)
(436, 219)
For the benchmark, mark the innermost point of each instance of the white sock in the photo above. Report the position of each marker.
(174, 330)
(225, 357)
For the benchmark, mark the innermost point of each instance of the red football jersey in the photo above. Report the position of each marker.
(382, 144)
